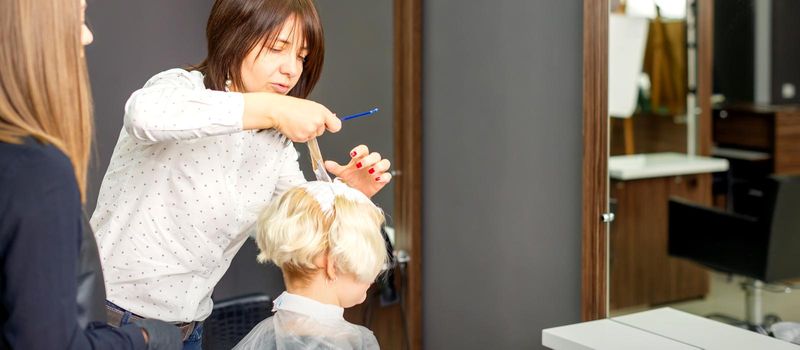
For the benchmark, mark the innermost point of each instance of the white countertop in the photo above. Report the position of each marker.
(606, 334)
(664, 328)
(649, 165)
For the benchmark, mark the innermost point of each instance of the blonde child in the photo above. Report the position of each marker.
(326, 239)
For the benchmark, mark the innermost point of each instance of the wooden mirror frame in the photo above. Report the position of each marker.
(594, 251)
(408, 155)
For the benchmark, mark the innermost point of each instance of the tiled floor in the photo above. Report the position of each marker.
(726, 296)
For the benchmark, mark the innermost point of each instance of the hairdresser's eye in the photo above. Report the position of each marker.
(303, 55)
(277, 47)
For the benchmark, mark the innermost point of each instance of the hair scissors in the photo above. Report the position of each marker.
(317, 163)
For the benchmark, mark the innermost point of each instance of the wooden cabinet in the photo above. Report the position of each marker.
(641, 271)
(774, 130)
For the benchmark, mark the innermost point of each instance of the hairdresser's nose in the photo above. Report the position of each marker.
(291, 65)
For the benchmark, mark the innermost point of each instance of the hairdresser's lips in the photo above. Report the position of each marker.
(279, 88)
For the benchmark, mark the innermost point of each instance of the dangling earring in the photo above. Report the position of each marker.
(227, 83)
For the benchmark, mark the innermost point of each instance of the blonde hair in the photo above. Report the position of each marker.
(44, 89)
(294, 230)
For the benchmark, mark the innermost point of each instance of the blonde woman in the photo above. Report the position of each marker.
(51, 286)
(326, 239)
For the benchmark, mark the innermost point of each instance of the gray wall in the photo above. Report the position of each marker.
(502, 171)
(136, 39)
(356, 78)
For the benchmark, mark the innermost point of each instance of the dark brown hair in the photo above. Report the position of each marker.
(236, 26)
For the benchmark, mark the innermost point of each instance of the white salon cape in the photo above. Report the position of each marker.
(303, 323)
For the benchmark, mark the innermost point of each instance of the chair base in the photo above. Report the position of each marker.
(763, 328)
(755, 320)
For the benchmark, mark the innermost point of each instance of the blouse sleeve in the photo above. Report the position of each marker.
(175, 105)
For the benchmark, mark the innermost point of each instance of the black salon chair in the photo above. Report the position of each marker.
(233, 318)
(760, 239)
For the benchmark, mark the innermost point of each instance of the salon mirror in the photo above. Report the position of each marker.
(134, 40)
(704, 117)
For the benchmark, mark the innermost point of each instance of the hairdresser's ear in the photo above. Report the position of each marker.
(330, 267)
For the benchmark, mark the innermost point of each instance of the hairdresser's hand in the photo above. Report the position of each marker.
(298, 119)
(366, 172)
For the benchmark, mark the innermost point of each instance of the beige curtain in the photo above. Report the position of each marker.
(665, 63)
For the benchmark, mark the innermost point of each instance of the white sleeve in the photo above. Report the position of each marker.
(289, 174)
(175, 105)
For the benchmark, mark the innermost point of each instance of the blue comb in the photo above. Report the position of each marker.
(359, 115)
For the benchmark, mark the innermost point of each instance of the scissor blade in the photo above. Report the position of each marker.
(317, 163)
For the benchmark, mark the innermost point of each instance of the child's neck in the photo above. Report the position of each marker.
(317, 289)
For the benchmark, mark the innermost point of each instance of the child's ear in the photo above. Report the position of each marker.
(330, 267)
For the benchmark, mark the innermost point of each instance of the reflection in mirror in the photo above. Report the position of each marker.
(707, 230)
(358, 75)
(648, 44)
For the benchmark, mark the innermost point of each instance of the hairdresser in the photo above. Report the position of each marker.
(51, 285)
(203, 150)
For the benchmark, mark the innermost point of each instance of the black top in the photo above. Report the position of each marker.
(42, 265)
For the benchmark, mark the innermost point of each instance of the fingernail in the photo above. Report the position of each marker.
(358, 165)
(377, 179)
(353, 154)
(372, 171)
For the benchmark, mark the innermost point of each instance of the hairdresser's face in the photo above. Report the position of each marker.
(350, 290)
(278, 67)
(86, 34)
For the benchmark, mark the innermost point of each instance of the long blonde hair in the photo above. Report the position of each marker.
(44, 88)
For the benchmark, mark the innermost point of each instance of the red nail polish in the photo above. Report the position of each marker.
(358, 165)
(353, 154)
(377, 179)
(372, 171)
